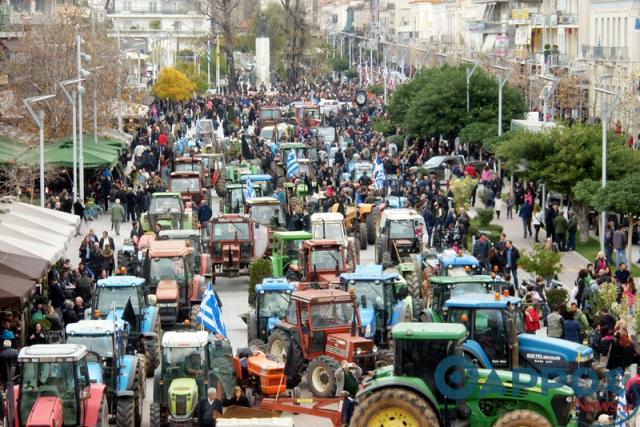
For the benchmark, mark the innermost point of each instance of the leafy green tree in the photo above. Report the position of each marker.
(434, 103)
(462, 190)
(564, 157)
(339, 65)
(479, 133)
(542, 262)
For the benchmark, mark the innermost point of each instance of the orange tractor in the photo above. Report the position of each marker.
(234, 244)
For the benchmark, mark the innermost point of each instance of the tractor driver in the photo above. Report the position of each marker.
(193, 364)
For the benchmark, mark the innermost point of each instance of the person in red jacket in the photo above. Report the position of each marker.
(531, 320)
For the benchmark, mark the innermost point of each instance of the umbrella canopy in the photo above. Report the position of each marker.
(10, 150)
(61, 154)
(20, 287)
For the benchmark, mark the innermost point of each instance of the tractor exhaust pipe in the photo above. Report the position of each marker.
(513, 338)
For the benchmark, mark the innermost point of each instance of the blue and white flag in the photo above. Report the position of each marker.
(293, 166)
(249, 192)
(209, 314)
(622, 417)
(378, 173)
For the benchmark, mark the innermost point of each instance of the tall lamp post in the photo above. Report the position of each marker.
(606, 109)
(503, 77)
(473, 65)
(39, 119)
(72, 97)
(81, 74)
(95, 101)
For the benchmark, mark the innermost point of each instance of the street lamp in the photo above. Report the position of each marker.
(39, 119)
(81, 74)
(72, 97)
(502, 80)
(605, 111)
(547, 91)
(470, 70)
(95, 102)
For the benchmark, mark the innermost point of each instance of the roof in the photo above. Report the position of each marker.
(322, 296)
(235, 185)
(188, 160)
(289, 145)
(169, 248)
(398, 214)
(429, 331)
(165, 194)
(226, 218)
(462, 279)
(183, 174)
(177, 234)
(292, 235)
(455, 260)
(370, 272)
(274, 284)
(481, 301)
(263, 201)
(185, 339)
(52, 353)
(91, 327)
(327, 216)
(256, 177)
(123, 281)
(321, 242)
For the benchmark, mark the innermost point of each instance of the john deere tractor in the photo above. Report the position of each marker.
(168, 211)
(123, 374)
(419, 390)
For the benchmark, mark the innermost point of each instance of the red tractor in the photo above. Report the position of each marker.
(321, 261)
(189, 185)
(233, 244)
(55, 389)
(318, 332)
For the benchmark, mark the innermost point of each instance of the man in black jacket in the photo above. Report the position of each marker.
(209, 408)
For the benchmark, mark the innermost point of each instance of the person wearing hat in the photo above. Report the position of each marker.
(117, 216)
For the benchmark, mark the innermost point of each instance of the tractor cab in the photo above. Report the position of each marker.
(329, 225)
(321, 261)
(455, 264)
(301, 150)
(379, 298)
(271, 301)
(496, 338)
(231, 243)
(237, 169)
(190, 164)
(285, 250)
(262, 184)
(393, 193)
(214, 166)
(188, 184)
(399, 236)
(55, 388)
(267, 211)
(269, 115)
(234, 198)
(360, 169)
(193, 239)
(168, 211)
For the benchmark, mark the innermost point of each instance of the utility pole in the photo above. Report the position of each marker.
(118, 95)
(502, 80)
(80, 136)
(470, 70)
(218, 63)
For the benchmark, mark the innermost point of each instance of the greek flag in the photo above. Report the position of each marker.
(293, 166)
(209, 314)
(622, 417)
(378, 173)
(249, 192)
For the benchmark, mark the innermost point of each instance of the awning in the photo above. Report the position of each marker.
(489, 42)
(10, 150)
(60, 154)
(20, 287)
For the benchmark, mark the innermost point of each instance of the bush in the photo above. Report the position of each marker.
(485, 216)
(259, 270)
(493, 231)
(541, 262)
(557, 296)
(461, 190)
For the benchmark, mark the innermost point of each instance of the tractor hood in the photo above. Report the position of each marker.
(183, 397)
(46, 411)
(553, 352)
(95, 372)
(167, 290)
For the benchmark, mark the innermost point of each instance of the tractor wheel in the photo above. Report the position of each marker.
(522, 418)
(139, 390)
(103, 414)
(412, 285)
(278, 345)
(252, 328)
(321, 376)
(384, 358)
(125, 412)
(387, 261)
(193, 316)
(372, 219)
(220, 186)
(258, 345)
(363, 236)
(152, 351)
(155, 418)
(394, 406)
(378, 252)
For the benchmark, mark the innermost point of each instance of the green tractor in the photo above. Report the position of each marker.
(285, 250)
(169, 212)
(234, 198)
(235, 171)
(191, 362)
(424, 388)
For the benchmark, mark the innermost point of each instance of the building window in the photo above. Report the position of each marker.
(177, 25)
(625, 31)
(153, 7)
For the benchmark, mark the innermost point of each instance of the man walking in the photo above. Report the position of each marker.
(572, 229)
(511, 255)
(525, 213)
(117, 216)
(620, 245)
(561, 225)
(481, 252)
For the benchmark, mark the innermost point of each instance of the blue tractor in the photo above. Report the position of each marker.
(271, 302)
(122, 374)
(496, 338)
(382, 298)
(112, 295)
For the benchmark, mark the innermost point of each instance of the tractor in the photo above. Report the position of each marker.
(496, 338)
(382, 303)
(55, 389)
(234, 198)
(269, 115)
(235, 171)
(193, 239)
(168, 269)
(214, 167)
(319, 331)
(191, 164)
(234, 243)
(285, 250)
(268, 309)
(355, 223)
(112, 296)
(262, 184)
(452, 263)
(168, 211)
(412, 392)
(121, 373)
(266, 211)
(331, 225)
(320, 261)
(189, 185)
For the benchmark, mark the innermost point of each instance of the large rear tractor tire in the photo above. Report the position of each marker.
(126, 412)
(394, 406)
(384, 358)
(372, 221)
(522, 418)
(387, 261)
(257, 345)
(363, 236)
(378, 252)
(321, 376)
(155, 418)
(152, 351)
(103, 413)
(278, 346)
(138, 392)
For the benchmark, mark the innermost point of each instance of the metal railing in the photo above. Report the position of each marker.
(164, 8)
(609, 53)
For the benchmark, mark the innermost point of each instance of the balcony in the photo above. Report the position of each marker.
(567, 19)
(157, 8)
(605, 53)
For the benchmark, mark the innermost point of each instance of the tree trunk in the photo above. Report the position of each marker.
(582, 214)
(231, 65)
(629, 241)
